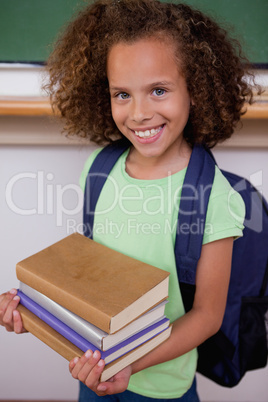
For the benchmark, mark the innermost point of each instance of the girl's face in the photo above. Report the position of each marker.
(149, 97)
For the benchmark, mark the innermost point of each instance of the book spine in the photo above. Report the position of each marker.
(56, 324)
(48, 335)
(90, 332)
(108, 356)
(67, 350)
(84, 328)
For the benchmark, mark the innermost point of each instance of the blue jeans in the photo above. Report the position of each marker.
(86, 395)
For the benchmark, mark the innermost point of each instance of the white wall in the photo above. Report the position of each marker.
(40, 203)
(37, 371)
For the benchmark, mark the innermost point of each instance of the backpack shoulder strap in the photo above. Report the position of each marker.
(97, 175)
(192, 213)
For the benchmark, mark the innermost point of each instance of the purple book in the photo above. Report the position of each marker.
(109, 355)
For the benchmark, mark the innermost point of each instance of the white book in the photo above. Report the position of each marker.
(90, 332)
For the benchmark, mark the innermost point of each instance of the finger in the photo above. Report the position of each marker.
(88, 373)
(88, 368)
(118, 383)
(79, 364)
(17, 321)
(72, 363)
(13, 291)
(5, 299)
(8, 295)
(8, 316)
(110, 388)
(93, 379)
(102, 387)
(8, 304)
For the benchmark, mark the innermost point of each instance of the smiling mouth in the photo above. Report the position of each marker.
(148, 133)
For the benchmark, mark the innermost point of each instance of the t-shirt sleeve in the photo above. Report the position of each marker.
(87, 166)
(226, 211)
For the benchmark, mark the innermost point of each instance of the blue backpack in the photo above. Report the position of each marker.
(241, 344)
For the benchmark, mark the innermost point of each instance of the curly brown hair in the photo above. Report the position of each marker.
(211, 63)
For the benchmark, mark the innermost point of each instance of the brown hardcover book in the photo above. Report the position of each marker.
(66, 349)
(100, 285)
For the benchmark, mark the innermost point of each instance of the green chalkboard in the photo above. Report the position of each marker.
(29, 27)
(247, 21)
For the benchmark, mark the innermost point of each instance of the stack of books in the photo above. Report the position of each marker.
(78, 294)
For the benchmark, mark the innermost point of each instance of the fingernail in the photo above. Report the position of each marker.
(95, 354)
(75, 360)
(101, 387)
(16, 298)
(101, 363)
(13, 291)
(88, 353)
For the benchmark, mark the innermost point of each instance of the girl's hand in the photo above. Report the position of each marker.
(88, 370)
(9, 317)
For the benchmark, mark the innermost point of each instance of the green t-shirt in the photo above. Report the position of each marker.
(139, 218)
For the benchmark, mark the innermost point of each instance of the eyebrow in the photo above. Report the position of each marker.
(162, 84)
(151, 85)
(118, 89)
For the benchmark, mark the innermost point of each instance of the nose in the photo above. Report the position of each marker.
(140, 110)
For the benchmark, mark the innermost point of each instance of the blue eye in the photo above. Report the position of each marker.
(123, 95)
(159, 91)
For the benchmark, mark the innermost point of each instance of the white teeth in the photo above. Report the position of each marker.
(148, 133)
